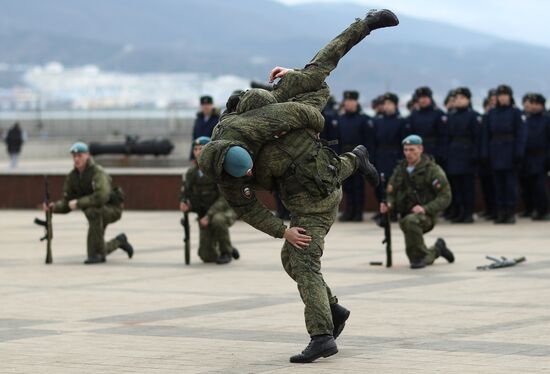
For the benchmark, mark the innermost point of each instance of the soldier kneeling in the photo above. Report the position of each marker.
(88, 188)
(200, 194)
(419, 191)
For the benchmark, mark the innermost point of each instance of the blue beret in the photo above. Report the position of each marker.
(412, 140)
(201, 140)
(237, 162)
(79, 147)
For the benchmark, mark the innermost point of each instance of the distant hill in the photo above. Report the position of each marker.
(248, 37)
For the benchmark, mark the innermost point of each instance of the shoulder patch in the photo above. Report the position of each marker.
(444, 118)
(436, 183)
(246, 192)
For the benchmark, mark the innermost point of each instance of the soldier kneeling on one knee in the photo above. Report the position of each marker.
(88, 188)
(418, 191)
(200, 194)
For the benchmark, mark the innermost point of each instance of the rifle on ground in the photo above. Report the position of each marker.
(187, 238)
(47, 223)
(501, 262)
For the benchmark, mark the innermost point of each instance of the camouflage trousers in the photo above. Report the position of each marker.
(414, 226)
(214, 239)
(98, 219)
(304, 265)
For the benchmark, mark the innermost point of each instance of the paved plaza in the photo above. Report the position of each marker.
(153, 314)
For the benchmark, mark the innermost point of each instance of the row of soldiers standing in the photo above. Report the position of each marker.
(501, 146)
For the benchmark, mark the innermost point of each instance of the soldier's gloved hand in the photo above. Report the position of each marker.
(73, 204)
(296, 236)
(203, 222)
(278, 72)
(184, 207)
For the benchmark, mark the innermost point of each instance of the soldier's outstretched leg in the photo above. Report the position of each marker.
(325, 61)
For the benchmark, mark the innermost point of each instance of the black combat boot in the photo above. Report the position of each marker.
(468, 217)
(541, 216)
(95, 260)
(319, 346)
(377, 19)
(527, 213)
(125, 245)
(358, 215)
(456, 216)
(224, 258)
(339, 317)
(418, 263)
(348, 214)
(444, 251)
(510, 216)
(364, 165)
(235, 253)
(501, 216)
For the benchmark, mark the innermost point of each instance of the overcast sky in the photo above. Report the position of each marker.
(525, 20)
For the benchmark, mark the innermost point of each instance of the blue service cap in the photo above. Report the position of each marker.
(237, 162)
(412, 140)
(201, 140)
(79, 147)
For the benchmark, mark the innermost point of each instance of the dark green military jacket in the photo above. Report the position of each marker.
(427, 186)
(92, 188)
(202, 193)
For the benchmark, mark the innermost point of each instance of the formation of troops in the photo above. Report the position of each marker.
(288, 140)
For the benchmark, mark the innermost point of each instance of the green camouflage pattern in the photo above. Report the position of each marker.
(205, 199)
(100, 203)
(433, 192)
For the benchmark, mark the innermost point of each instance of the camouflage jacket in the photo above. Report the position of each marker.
(202, 193)
(92, 188)
(427, 186)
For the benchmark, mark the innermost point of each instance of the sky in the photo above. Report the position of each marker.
(525, 21)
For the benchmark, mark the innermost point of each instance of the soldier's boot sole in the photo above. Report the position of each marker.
(338, 328)
(377, 19)
(365, 167)
(444, 251)
(327, 353)
(125, 245)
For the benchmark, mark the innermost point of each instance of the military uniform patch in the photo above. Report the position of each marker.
(247, 193)
(436, 183)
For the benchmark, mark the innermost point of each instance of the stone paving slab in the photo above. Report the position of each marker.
(152, 314)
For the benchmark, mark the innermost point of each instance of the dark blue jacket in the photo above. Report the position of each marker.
(388, 133)
(463, 141)
(204, 126)
(429, 123)
(504, 138)
(331, 131)
(537, 150)
(354, 130)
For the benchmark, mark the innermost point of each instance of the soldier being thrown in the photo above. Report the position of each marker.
(306, 174)
(201, 195)
(88, 188)
(418, 191)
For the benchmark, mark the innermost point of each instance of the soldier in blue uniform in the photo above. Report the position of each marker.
(524, 180)
(504, 141)
(206, 120)
(331, 130)
(464, 131)
(484, 171)
(353, 126)
(428, 122)
(388, 131)
(537, 156)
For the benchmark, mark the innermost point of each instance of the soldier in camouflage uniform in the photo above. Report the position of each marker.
(88, 188)
(308, 177)
(419, 191)
(201, 195)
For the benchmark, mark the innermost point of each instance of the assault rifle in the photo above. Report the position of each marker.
(501, 262)
(47, 223)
